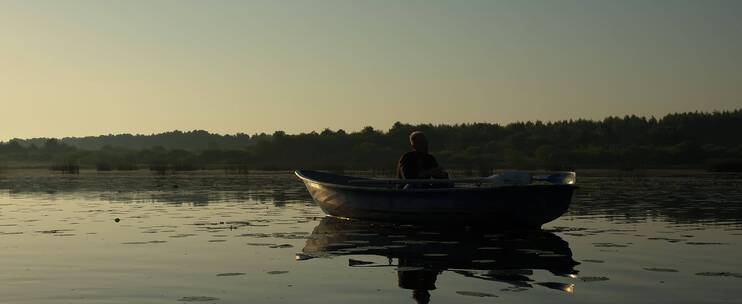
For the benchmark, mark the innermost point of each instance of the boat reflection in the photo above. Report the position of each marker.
(422, 253)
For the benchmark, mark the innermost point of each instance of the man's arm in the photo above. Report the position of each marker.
(435, 170)
(405, 167)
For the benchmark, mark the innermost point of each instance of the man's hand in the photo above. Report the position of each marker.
(436, 172)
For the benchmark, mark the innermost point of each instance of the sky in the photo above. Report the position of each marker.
(78, 68)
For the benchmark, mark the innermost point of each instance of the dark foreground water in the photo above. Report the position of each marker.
(258, 238)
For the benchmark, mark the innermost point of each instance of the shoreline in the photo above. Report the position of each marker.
(591, 172)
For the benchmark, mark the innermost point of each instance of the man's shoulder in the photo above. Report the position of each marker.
(407, 156)
(430, 158)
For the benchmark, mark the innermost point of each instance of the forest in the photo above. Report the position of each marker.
(698, 140)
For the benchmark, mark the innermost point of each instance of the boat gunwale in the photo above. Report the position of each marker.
(304, 178)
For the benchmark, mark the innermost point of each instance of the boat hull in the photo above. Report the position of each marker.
(527, 206)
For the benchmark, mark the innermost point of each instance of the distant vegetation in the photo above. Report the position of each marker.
(685, 140)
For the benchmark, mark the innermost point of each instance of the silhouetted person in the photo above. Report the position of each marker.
(418, 164)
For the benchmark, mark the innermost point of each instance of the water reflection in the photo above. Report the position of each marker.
(423, 253)
(680, 199)
(196, 188)
(231, 238)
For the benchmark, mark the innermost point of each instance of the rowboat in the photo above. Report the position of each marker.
(487, 202)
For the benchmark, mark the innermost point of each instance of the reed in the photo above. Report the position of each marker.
(103, 167)
(160, 168)
(126, 167)
(66, 168)
(184, 167)
(236, 169)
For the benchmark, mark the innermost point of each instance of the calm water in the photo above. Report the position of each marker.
(258, 238)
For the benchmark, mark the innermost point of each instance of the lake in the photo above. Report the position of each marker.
(212, 237)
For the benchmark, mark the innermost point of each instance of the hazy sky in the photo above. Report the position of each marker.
(72, 68)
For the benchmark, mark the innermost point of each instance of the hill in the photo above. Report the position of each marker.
(682, 140)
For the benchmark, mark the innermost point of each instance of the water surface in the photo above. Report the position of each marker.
(210, 237)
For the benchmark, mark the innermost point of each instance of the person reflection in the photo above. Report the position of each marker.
(420, 281)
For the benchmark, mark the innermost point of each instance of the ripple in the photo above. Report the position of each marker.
(144, 242)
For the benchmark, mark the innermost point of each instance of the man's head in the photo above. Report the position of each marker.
(419, 142)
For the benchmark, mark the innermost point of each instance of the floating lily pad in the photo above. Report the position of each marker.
(197, 299)
(705, 243)
(282, 246)
(593, 279)
(144, 242)
(277, 272)
(354, 262)
(182, 235)
(609, 245)
(660, 269)
(720, 274)
(230, 274)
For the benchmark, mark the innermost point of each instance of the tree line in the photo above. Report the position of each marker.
(682, 140)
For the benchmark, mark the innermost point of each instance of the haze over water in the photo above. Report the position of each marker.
(216, 238)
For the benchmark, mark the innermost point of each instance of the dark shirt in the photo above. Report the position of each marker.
(412, 163)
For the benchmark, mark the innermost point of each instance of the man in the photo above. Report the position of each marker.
(418, 164)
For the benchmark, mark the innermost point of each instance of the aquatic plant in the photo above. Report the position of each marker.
(159, 168)
(237, 169)
(103, 167)
(126, 167)
(66, 168)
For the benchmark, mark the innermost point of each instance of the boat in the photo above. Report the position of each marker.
(493, 202)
